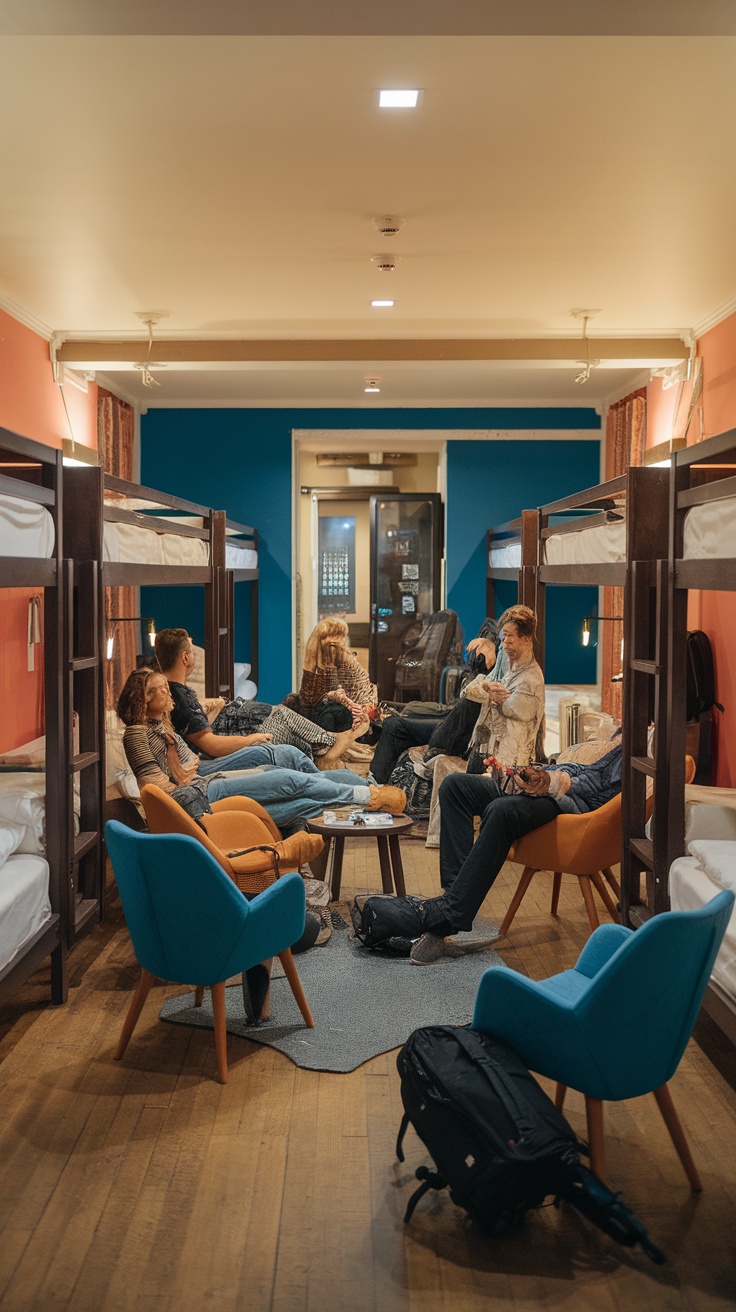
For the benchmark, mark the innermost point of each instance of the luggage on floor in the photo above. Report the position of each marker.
(498, 1142)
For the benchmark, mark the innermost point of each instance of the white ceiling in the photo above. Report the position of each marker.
(232, 180)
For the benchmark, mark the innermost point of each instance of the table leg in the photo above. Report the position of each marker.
(399, 885)
(337, 851)
(383, 857)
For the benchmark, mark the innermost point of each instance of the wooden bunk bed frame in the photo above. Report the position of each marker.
(44, 485)
(668, 668)
(523, 531)
(226, 579)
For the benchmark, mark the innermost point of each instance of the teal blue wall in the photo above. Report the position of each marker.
(491, 482)
(241, 460)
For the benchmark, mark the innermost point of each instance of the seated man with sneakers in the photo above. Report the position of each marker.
(467, 870)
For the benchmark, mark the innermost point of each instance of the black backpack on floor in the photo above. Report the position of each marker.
(498, 1142)
(388, 924)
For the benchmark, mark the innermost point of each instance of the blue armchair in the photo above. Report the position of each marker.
(190, 924)
(617, 1024)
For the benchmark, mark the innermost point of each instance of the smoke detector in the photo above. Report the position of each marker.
(388, 225)
(385, 263)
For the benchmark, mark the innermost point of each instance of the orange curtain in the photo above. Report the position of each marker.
(115, 432)
(626, 430)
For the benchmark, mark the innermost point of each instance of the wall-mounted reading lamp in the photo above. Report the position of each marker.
(75, 453)
(595, 619)
(114, 620)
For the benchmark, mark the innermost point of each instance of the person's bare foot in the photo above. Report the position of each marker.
(330, 759)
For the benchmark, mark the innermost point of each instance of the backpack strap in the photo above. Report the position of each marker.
(402, 1131)
(430, 1180)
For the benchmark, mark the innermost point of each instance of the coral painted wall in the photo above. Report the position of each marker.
(31, 404)
(714, 612)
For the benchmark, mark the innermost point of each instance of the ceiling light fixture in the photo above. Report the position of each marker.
(149, 318)
(372, 383)
(393, 98)
(382, 305)
(587, 365)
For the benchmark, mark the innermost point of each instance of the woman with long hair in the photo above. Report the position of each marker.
(335, 689)
(281, 778)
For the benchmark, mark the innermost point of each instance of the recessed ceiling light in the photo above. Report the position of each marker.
(382, 305)
(372, 383)
(390, 98)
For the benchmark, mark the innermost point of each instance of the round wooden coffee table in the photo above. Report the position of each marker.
(389, 856)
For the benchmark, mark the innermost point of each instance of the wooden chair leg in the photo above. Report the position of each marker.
(134, 1011)
(584, 881)
(612, 880)
(199, 995)
(560, 1091)
(677, 1135)
(556, 886)
(594, 1117)
(605, 896)
(524, 882)
(291, 973)
(218, 1013)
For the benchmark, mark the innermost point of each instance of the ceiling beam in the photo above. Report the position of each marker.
(621, 350)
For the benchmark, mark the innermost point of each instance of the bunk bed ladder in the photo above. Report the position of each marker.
(84, 695)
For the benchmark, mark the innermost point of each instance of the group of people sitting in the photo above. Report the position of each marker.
(491, 735)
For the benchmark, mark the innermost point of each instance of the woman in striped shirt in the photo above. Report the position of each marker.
(157, 755)
(333, 678)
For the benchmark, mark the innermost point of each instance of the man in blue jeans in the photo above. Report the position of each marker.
(467, 870)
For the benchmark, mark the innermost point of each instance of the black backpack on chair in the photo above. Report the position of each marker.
(498, 1142)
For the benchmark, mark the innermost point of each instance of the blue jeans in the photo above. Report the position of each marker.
(467, 871)
(281, 755)
(290, 795)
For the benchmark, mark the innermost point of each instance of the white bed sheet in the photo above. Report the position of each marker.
(603, 545)
(690, 888)
(710, 531)
(24, 903)
(26, 529)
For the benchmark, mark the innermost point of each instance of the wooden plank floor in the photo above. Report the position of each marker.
(146, 1186)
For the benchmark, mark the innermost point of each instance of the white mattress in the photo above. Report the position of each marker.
(240, 557)
(26, 529)
(710, 530)
(603, 545)
(126, 543)
(24, 903)
(690, 888)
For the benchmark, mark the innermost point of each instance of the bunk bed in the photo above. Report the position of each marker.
(701, 555)
(511, 555)
(139, 536)
(36, 803)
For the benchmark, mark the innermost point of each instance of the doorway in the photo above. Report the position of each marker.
(335, 477)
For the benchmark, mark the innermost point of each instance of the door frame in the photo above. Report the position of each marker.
(348, 439)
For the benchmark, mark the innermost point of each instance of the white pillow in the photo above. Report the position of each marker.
(11, 837)
(196, 679)
(119, 778)
(709, 822)
(23, 803)
(718, 859)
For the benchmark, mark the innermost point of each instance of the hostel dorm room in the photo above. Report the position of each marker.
(333, 421)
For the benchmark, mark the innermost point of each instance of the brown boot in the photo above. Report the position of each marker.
(386, 798)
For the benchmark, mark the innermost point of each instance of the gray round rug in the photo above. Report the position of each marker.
(363, 1003)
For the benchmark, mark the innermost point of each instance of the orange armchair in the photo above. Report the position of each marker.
(236, 823)
(586, 846)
